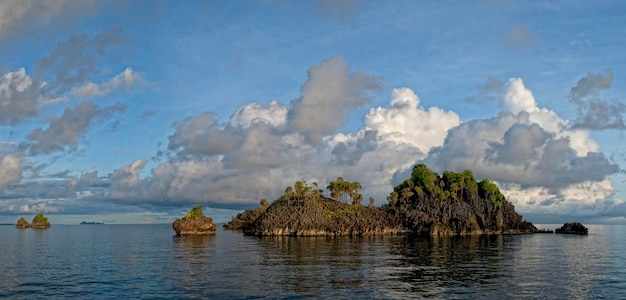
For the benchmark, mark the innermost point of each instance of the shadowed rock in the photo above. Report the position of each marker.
(22, 223)
(194, 222)
(573, 228)
(40, 222)
(424, 204)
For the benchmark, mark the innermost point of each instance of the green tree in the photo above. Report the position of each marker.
(371, 202)
(195, 212)
(264, 203)
(489, 190)
(39, 218)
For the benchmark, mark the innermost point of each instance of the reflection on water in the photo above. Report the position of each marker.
(151, 262)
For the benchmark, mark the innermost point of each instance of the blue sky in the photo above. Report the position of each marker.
(132, 112)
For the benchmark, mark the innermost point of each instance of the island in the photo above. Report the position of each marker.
(40, 222)
(91, 223)
(424, 204)
(22, 223)
(194, 222)
(573, 228)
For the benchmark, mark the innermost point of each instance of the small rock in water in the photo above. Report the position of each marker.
(194, 222)
(573, 228)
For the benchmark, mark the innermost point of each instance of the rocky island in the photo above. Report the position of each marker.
(22, 223)
(194, 222)
(40, 222)
(573, 228)
(424, 204)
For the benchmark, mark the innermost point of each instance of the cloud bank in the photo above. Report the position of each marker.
(541, 161)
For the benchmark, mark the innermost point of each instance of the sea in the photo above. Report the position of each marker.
(151, 262)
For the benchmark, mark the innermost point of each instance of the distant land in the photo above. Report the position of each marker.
(91, 223)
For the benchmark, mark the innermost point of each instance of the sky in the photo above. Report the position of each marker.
(135, 111)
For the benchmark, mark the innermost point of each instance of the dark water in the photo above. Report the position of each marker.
(147, 261)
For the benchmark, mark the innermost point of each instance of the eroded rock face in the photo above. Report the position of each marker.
(22, 223)
(40, 222)
(572, 228)
(194, 222)
(200, 225)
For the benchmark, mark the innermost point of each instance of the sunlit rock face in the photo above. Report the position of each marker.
(194, 222)
(21, 223)
(40, 222)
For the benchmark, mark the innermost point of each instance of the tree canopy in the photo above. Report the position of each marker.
(450, 186)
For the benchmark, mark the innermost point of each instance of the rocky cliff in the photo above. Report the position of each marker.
(194, 222)
(321, 217)
(22, 223)
(424, 204)
(40, 222)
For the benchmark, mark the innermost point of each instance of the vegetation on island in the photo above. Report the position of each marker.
(425, 204)
(194, 222)
(40, 221)
(455, 203)
(22, 223)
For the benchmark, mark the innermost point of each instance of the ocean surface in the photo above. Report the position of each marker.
(149, 261)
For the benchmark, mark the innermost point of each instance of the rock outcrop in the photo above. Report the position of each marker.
(572, 228)
(322, 217)
(40, 222)
(194, 222)
(22, 223)
(244, 219)
(454, 204)
(425, 204)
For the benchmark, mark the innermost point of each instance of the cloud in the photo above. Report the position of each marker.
(273, 114)
(203, 135)
(124, 82)
(404, 121)
(256, 154)
(64, 131)
(126, 178)
(20, 96)
(533, 154)
(519, 37)
(330, 93)
(488, 92)
(18, 17)
(10, 171)
(74, 61)
(592, 112)
(336, 9)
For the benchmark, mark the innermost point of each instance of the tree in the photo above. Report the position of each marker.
(371, 202)
(264, 203)
(490, 191)
(392, 198)
(195, 212)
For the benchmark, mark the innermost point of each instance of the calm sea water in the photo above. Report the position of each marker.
(148, 261)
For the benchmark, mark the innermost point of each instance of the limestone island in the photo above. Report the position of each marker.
(40, 222)
(424, 204)
(194, 222)
(573, 228)
(22, 223)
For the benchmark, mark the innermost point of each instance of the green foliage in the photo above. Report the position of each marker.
(342, 190)
(39, 218)
(490, 191)
(302, 191)
(448, 188)
(22, 220)
(264, 203)
(195, 212)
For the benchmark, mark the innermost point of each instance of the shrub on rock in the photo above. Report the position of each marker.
(194, 222)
